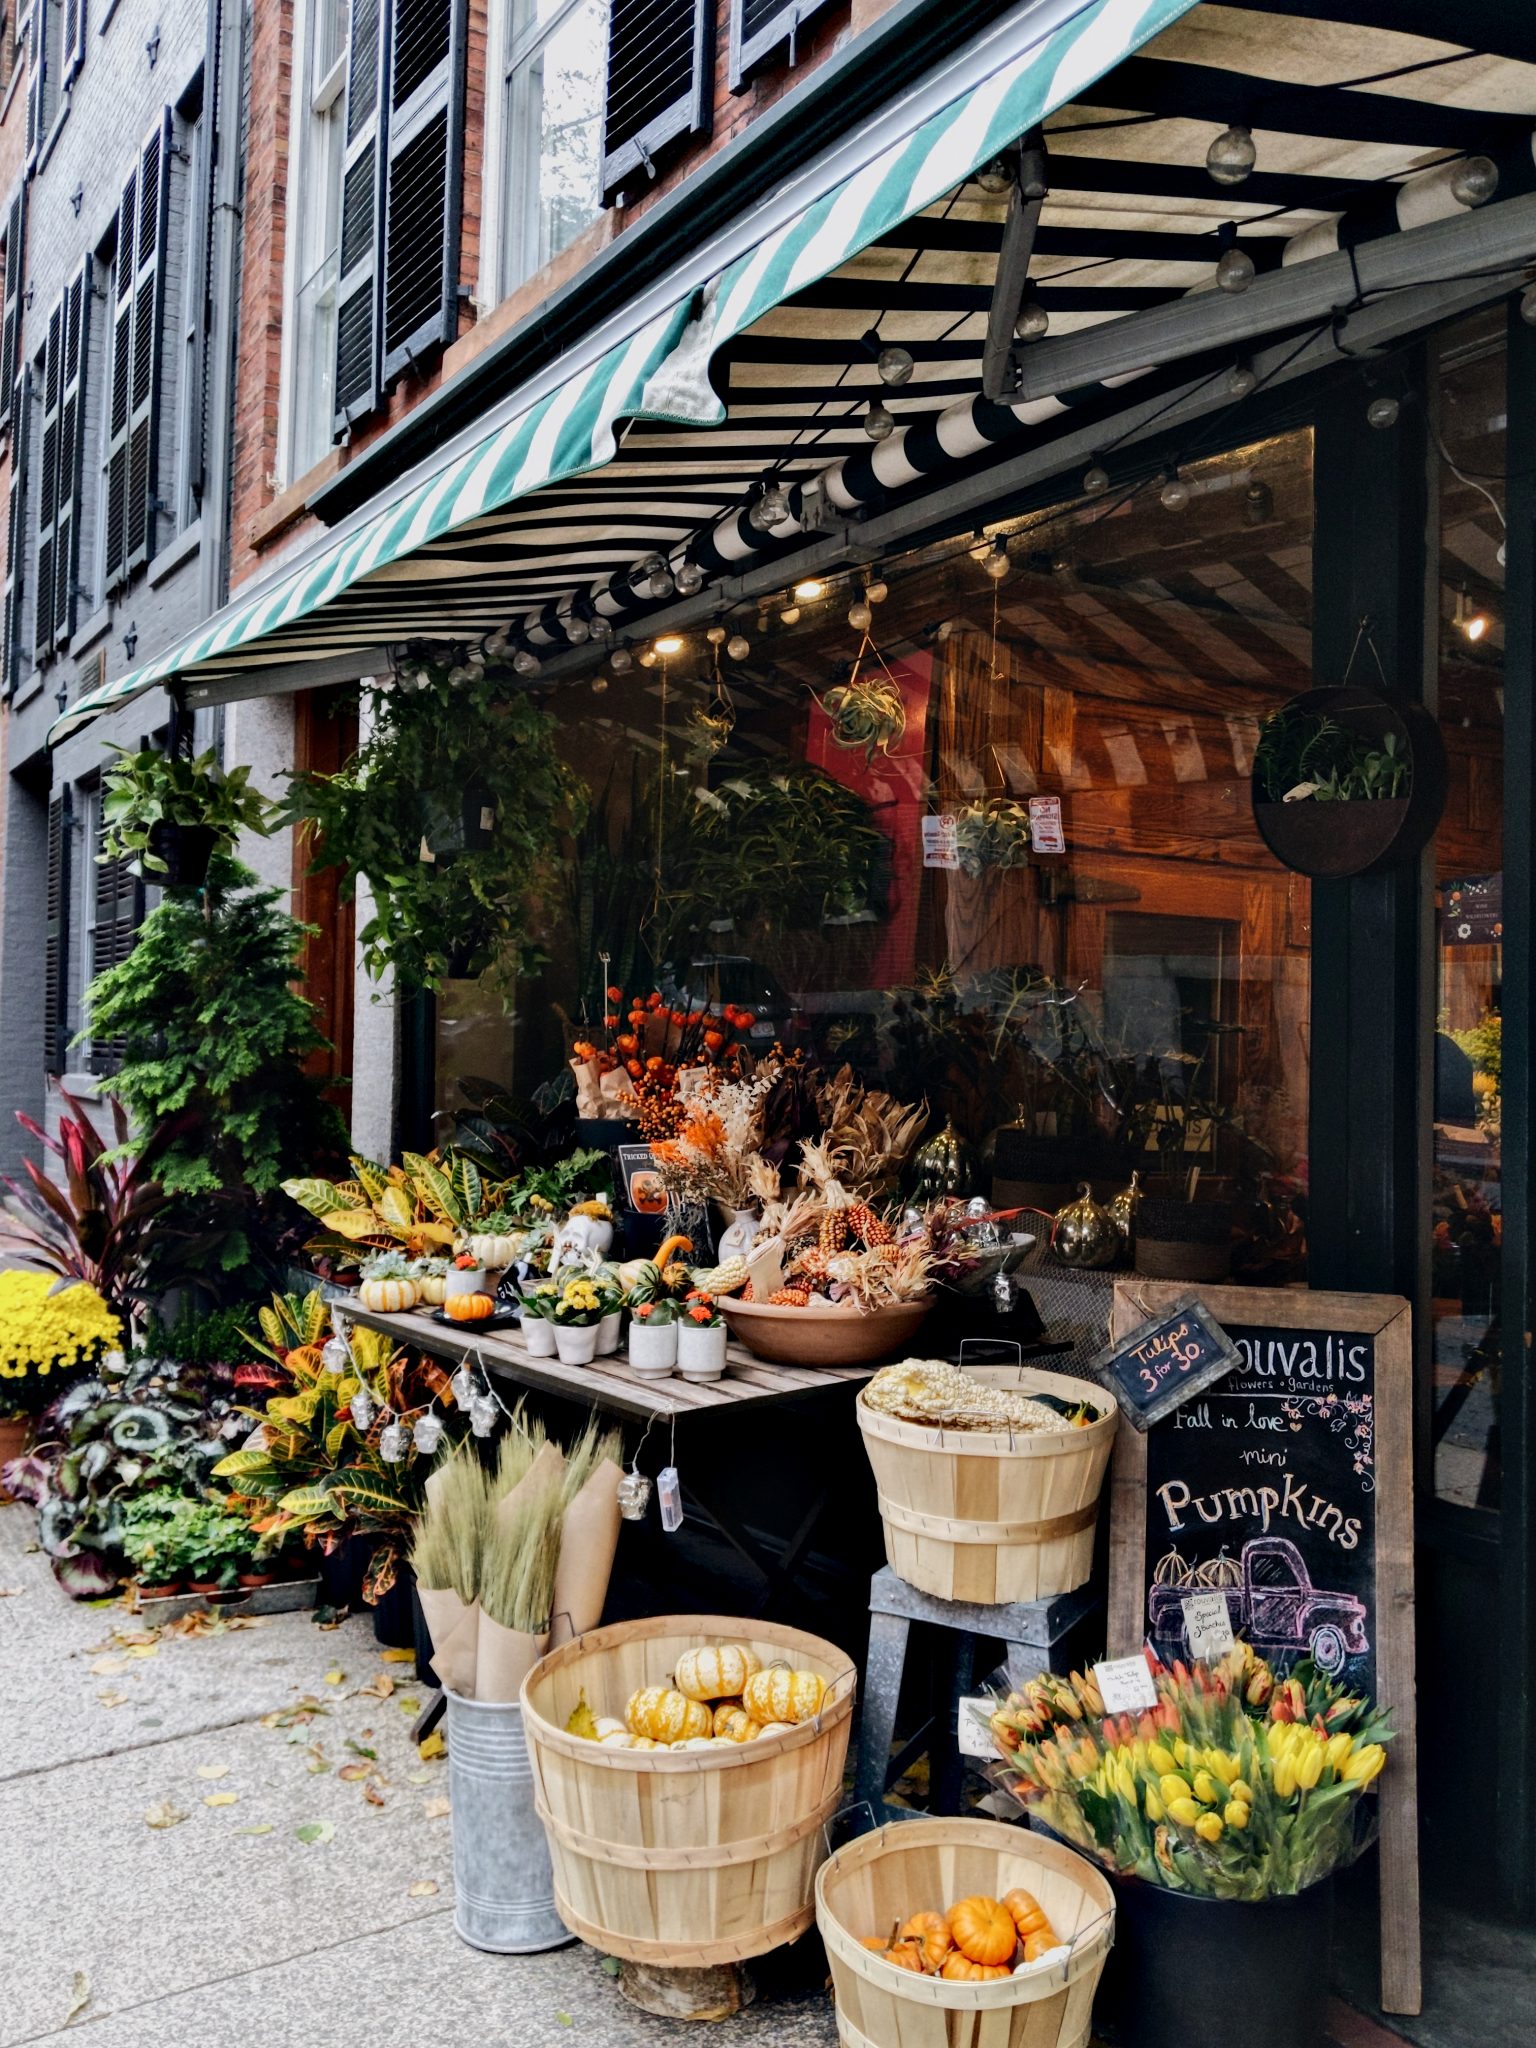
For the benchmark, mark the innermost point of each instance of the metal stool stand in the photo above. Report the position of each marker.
(1045, 1627)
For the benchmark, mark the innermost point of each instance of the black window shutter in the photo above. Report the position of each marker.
(10, 317)
(16, 551)
(66, 519)
(759, 27)
(43, 624)
(141, 513)
(660, 59)
(358, 283)
(73, 40)
(423, 183)
(119, 387)
(117, 913)
(38, 56)
(56, 932)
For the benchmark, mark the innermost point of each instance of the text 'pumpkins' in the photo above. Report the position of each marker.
(779, 1694)
(716, 1672)
(667, 1716)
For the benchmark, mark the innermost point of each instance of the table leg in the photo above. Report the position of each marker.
(947, 1764)
(882, 1692)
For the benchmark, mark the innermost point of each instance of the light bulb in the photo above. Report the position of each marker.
(716, 636)
(738, 647)
(428, 1432)
(876, 592)
(525, 662)
(670, 643)
(482, 1415)
(1474, 181)
(361, 1408)
(577, 630)
(621, 661)
(995, 177)
(689, 578)
(462, 1386)
(661, 584)
(879, 421)
(1033, 321)
(1383, 411)
(771, 509)
(996, 563)
(1095, 480)
(600, 628)
(790, 615)
(1528, 305)
(1231, 156)
(1258, 503)
(457, 677)
(1476, 625)
(808, 591)
(634, 1496)
(1501, 554)
(1234, 266)
(599, 685)
(1174, 494)
(648, 657)
(1242, 379)
(641, 574)
(894, 364)
(860, 616)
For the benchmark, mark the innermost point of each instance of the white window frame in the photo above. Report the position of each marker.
(317, 103)
(500, 275)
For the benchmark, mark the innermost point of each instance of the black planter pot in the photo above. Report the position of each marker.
(1184, 1240)
(1208, 1973)
(394, 1622)
(422, 1640)
(186, 851)
(1367, 835)
(343, 1570)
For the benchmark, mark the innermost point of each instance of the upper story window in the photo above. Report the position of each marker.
(55, 51)
(314, 194)
(556, 68)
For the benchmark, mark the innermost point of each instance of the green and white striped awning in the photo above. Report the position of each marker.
(1363, 113)
(659, 373)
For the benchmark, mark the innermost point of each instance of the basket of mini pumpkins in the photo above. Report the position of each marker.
(685, 1768)
(942, 1932)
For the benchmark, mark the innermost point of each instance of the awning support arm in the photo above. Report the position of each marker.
(1001, 369)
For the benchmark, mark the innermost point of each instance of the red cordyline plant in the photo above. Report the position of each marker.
(98, 1224)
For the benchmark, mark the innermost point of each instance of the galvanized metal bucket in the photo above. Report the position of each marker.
(504, 1890)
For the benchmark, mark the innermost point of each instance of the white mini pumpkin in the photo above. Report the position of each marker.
(494, 1250)
(388, 1297)
(717, 1671)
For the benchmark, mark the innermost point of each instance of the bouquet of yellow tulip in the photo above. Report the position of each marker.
(1236, 1785)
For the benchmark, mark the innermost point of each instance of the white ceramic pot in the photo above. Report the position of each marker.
(652, 1349)
(736, 1238)
(609, 1331)
(576, 1343)
(701, 1350)
(539, 1336)
(465, 1280)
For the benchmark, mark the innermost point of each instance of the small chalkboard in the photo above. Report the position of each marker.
(1165, 1360)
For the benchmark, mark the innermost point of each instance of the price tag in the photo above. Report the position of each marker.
(1207, 1624)
(973, 1727)
(669, 1497)
(1125, 1684)
(941, 841)
(1045, 828)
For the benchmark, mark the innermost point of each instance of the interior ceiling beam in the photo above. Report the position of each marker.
(1499, 238)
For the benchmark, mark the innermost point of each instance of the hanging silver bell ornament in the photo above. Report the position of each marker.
(362, 1409)
(482, 1415)
(462, 1386)
(334, 1355)
(427, 1432)
(634, 1496)
(394, 1440)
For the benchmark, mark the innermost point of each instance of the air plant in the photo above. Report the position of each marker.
(867, 711)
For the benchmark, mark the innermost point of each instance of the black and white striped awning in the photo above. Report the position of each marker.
(1385, 155)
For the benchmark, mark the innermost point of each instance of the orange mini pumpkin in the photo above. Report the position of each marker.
(469, 1308)
(1040, 1943)
(1028, 1913)
(931, 1933)
(983, 1929)
(905, 1955)
(961, 1970)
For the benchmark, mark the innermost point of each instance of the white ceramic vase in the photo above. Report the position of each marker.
(465, 1280)
(539, 1336)
(700, 1350)
(652, 1349)
(735, 1239)
(609, 1331)
(575, 1343)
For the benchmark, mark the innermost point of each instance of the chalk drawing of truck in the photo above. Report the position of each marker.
(1276, 1606)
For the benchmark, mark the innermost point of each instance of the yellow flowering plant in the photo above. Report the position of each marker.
(586, 1299)
(48, 1330)
(1238, 1784)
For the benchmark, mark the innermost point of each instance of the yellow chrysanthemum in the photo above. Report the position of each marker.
(42, 1332)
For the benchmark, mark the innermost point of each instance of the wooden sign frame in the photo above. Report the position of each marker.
(1388, 1320)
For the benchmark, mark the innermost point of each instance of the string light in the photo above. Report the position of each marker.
(996, 563)
(670, 643)
(1033, 323)
(621, 661)
(689, 578)
(1242, 380)
(738, 647)
(808, 591)
(895, 364)
(1471, 624)
(600, 628)
(526, 662)
(995, 178)
(860, 616)
(771, 509)
(1174, 494)
(1258, 503)
(1232, 156)
(716, 636)
(1382, 411)
(1474, 181)
(648, 657)
(790, 615)
(876, 592)
(1095, 480)
(879, 421)
(1234, 266)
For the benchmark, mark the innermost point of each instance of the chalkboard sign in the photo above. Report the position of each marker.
(1165, 1360)
(1286, 1487)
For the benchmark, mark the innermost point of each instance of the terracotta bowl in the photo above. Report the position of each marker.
(808, 1336)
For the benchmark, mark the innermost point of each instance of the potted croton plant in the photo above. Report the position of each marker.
(701, 1338)
(653, 1338)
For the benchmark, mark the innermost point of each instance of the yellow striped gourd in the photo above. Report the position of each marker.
(666, 1716)
(779, 1694)
(716, 1672)
(734, 1722)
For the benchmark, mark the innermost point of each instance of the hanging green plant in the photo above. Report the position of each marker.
(992, 832)
(868, 710)
(153, 804)
(456, 807)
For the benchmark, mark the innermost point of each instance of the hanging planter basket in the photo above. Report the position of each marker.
(1362, 836)
(186, 851)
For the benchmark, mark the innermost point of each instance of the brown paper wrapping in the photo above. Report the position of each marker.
(454, 1629)
(504, 1658)
(588, 1542)
(589, 1100)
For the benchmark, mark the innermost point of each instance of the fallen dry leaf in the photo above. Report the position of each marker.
(261, 1828)
(220, 1798)
(316, 1831)
(361, 1748)
(409, 1704)
(15, 1593)
(352, 1773)
(295, 1716)
(108, 1667)
(335, 1676)
(436, 1809)
(423, 1888)
(143, 1649)
(398, 1656)
(79, 1996)
(418, 1777)
(163, 1815)
(318, 1760)
(379, 1687)
(432, 1745)
(113, 1699)
(373, 1795)
(213, 1770)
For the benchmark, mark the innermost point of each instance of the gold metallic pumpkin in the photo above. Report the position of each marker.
(1084, 1234)
(1122, 1209)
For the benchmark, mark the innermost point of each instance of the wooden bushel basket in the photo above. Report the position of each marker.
(988, 1516)
(926, 1866)
(684, 1858)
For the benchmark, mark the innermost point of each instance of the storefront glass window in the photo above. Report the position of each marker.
(844, 833)
(1467, 1216)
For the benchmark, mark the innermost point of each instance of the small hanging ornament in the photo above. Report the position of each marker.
(335, 1356)
(482, 1415)
(428, 1432)
(393, 1442)
(1084, 1233)
(462, 1386)
(362, 1408)
(634, 1496)
(1122, 1209)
